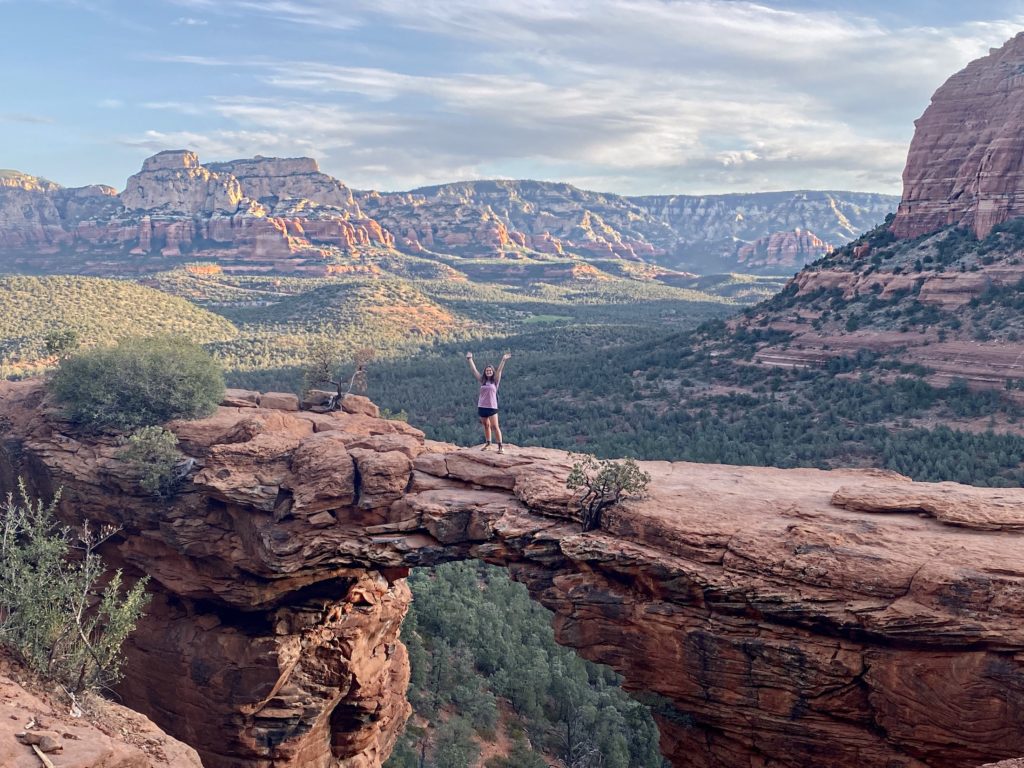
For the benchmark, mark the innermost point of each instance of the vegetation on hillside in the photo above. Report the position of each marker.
(612, 367)
(992, 315)
(97, 311)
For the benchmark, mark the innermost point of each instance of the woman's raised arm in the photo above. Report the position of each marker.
(501, 367)
(472, 366)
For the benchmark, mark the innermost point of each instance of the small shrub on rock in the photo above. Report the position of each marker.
(153, 452)
(139, 382)
(54, 613)
(603, 484)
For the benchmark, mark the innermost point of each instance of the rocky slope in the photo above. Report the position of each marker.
(938, 285)
(782, 617)
(966, 162)
(284, 215)
(712, 231)
(107, 735)
(946, 302)
(770, 232)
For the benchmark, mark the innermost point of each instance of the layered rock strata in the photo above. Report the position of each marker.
(716, 233)
(966, 161)
(770, 617)
(284, 214)
(783, 250)
(263, 214)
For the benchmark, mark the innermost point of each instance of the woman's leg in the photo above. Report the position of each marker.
(487, 429)
(495, 429)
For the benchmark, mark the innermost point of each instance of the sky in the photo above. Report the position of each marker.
(627, 96)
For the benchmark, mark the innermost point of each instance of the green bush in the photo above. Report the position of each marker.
(139, 382)
(603, 484)
(153, 452)
(54, 615)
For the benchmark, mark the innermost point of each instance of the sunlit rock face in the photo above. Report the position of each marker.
(174, 182)
(770, 617)
(268, 214)
(966, 161)
(703, 233)
(258, 215)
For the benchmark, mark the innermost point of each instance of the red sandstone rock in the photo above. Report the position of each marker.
(783, 249)
(275, 213)
(108, 736)
(279, 401)
(359, 404)
(966, 161)
(777, 616)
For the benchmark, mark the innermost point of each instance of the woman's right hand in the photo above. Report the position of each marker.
(469, 355)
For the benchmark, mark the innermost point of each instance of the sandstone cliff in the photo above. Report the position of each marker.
(783, 250)
(263, 214)
(714, 230)
(284, 214)
(771, 617)
(174, 182)
(966, 161)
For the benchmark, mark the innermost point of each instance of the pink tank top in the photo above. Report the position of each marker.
(488, 395)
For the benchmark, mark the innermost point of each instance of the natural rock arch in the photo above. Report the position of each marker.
(772, 615)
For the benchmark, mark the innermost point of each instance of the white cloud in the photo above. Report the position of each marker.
(636, 95)
(17, 117)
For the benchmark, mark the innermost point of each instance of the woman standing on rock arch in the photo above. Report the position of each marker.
(487, 402)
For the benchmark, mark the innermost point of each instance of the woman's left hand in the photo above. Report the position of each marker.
(506, 356)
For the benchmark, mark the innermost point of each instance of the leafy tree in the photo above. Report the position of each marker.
(139, 382)
(65, 618)
(603, 484)
(455, 745)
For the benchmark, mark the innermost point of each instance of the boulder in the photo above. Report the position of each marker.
(279, 401)
(359, 404)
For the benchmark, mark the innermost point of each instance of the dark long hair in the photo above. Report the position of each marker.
(485, 379)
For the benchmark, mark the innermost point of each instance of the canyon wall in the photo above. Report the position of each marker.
(259, 215)
(267, 214)
(966, 161)
(770, 617)
(709, 233)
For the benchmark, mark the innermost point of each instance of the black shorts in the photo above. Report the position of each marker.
(484, 413)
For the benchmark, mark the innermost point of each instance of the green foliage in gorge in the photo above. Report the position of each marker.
(484, 659)
(65, 618)
(139, 382)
